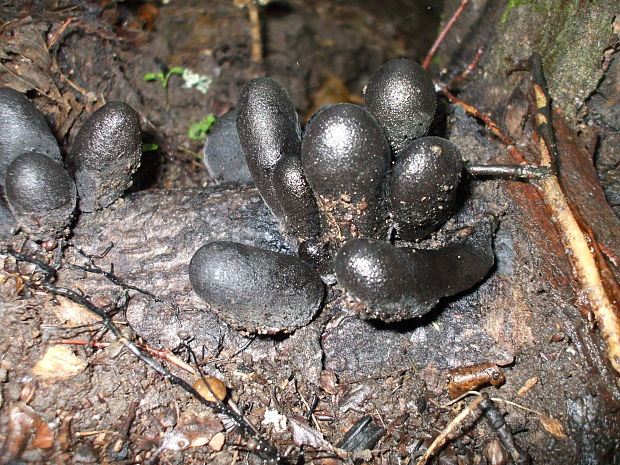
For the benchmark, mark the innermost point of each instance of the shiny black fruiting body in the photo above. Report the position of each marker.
(255, 289)
(23, 130)
(270, 134)
(299, 208)
(422, 187)
(392, 284)
(223, 155)
(105, 155)
(401, 95)
(361, 192)
(345, 156)
(40, 194)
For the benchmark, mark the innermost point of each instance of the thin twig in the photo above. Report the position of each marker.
(60, 31)
(524, 172)
(452, 429)
(257, 41)
(470, 68)
(114, 279)
(489, 123)
(442, 35)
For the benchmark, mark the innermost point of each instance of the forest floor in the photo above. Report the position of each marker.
(71, 394)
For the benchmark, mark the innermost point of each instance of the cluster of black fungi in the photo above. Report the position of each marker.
(354, 192)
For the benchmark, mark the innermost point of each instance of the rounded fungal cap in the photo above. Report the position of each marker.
(344, 152)
(269, 130)
(105, 155)
(384, 279)
(223, 155)
(267, 121)
(422, 187)
(22, 129)
(256, 290)
(39, 187)
(402, 97)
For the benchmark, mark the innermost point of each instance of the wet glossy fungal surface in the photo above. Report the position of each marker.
(105, 155)
(401, 96)
(23, 129)
(396, 283)
(256, 290)
(346, 169)
(223, 155)
(40, 193)
(345, 156)
(389, 283)
(422, 188)
(338, 193)
(300, 212)
(269, 131)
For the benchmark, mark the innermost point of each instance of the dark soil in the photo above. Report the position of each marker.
(99, 404)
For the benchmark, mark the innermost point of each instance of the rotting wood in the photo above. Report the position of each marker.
(577, 249)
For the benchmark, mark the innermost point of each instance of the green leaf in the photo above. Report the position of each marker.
(150, 77)
(200, 129)
(149, 147)
(176, 70)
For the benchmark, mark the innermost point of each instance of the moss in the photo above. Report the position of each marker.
(570, 35)
(512, 4)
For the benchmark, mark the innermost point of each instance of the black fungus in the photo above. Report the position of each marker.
(40, 194)
(105, 155)
(268, 128)
(223, 155)
(300, 212)
(256, 290)
(22, 129)
(316, 253)
(384, 278)
(345, 156)
(396, 283)
(422, 187)
(402, 97)
(270, 135)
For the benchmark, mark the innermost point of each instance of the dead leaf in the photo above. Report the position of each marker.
(21, 420)
(305, 436)
(552, 426)
(217, 442)
(275, 419)
(57, 363)
(194, 430)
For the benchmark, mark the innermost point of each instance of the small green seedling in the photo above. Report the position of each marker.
(163, 77)
(199, 130)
